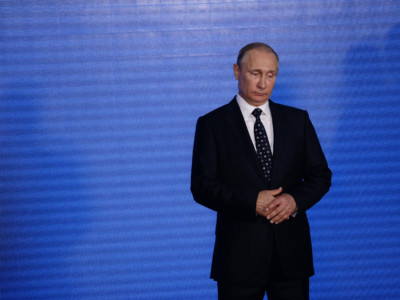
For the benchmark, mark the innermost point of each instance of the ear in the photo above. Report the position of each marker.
(236, 71)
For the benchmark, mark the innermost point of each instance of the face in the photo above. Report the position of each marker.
(256, 76)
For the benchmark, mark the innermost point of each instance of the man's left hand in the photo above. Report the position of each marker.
(281, 208)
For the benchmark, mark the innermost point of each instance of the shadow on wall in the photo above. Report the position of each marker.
(367, 161)
(371, 85)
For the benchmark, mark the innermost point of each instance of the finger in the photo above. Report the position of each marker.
(282, 215)
(275, 212)
(278, 201)
(276, 191)
(279, 218)
(273, 205)
(261, 212)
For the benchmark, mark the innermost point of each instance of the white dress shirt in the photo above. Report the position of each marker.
(266, 120)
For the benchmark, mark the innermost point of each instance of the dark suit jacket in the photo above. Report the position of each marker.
(227, 177)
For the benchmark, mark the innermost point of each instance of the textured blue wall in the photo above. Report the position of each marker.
(98, 104)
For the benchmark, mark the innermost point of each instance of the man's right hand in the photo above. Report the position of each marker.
(264, 199)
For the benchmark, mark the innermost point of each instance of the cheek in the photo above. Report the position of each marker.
(250, 84)
(244, 84)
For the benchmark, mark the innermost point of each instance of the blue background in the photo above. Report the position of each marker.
(98, 105)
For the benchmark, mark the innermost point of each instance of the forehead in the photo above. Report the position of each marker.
(260, 59)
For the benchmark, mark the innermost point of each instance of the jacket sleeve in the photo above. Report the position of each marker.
(317, 176)
(207, 186)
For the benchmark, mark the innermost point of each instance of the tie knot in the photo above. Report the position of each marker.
(257, 112)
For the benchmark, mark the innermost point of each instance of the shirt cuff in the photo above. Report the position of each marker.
(293, 215)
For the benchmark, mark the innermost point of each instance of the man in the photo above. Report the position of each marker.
(260, 166)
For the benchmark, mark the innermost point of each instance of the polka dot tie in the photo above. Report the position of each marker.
(262, 145)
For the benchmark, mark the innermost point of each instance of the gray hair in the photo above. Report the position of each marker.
(251, 46)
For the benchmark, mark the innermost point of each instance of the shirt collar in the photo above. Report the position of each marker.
(247, 108)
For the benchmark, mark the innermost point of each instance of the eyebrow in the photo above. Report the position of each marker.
(259, 70)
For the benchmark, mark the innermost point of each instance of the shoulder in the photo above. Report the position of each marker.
(288, 112)
(286, 108)
(220, 112)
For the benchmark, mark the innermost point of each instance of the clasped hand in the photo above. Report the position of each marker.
(275, 205)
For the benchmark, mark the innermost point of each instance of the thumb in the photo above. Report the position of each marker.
(276, 191)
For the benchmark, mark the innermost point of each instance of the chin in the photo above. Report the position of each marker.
(260, 100)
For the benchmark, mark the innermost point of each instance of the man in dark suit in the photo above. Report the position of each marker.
(260, 165)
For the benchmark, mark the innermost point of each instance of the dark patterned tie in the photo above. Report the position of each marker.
(262, 145)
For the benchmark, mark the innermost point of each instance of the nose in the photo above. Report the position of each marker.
(262, 83)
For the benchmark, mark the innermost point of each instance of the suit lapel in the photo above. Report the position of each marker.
(279, 126)
(238, 125)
